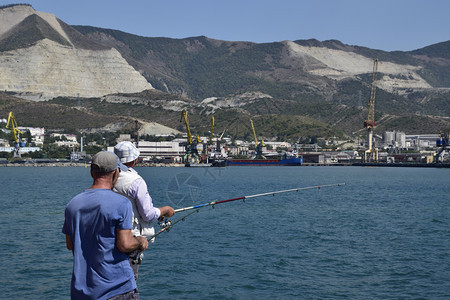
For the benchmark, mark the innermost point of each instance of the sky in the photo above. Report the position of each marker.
(388, 25)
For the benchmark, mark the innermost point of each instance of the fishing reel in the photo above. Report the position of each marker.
(136, 257)
(165, 224)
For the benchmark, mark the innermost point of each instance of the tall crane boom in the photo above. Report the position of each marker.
(254, 133)
(12, 125)
(369, 123)
(258, 146)
(212, 130)
(184, 116)
(191, 146)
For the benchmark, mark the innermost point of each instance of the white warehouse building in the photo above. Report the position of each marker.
(162, 149)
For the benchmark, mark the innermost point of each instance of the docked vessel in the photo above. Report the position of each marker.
(286, 161)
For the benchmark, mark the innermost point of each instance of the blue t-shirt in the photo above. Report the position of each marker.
(100, 270)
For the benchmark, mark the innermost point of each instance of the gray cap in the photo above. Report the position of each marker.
(126, 151)
(105, 162)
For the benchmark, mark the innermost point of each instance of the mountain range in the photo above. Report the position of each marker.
(291, 89)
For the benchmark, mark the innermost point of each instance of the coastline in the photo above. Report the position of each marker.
(78, 164)
(146, 164)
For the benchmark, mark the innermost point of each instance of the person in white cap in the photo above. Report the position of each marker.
(132, 185)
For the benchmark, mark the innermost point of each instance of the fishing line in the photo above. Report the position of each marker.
(167, 224)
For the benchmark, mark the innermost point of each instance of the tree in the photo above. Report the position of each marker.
(6, 154)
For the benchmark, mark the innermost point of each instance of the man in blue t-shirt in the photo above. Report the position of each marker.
(98, 231)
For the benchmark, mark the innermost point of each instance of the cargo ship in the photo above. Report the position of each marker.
(286, 161)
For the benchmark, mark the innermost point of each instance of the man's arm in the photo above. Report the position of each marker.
(139, 192)
(68, 242)
(144, 203)
(126, 242)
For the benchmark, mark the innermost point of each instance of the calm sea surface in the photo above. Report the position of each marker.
(384, 235)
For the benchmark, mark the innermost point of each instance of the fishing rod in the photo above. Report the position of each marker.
(166, 224)
(212, 203)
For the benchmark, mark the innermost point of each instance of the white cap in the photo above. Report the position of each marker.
(126, 151)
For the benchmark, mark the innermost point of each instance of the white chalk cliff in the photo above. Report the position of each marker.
(47, 69)
(337, 64)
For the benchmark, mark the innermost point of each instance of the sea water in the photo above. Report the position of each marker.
(385, 234)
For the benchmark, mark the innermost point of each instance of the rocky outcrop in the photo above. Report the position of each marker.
(12, 16)
(48, 69)
(338, 64)
(235, 101)
(153, 128)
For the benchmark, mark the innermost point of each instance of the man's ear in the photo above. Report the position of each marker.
(115, 177)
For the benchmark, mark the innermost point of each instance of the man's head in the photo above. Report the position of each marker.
(105, 167)
(127, 152)
(105, 162)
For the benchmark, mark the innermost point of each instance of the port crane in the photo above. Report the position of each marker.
(191, 146)
(12, 125)
(216, 154)
(219, 139)
(371, 154)
(258, 146)
(212, 130)
(209, 147)
(443, 143)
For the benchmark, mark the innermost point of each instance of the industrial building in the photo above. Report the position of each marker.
(162, 150)
(394, 139)
(421, 141)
